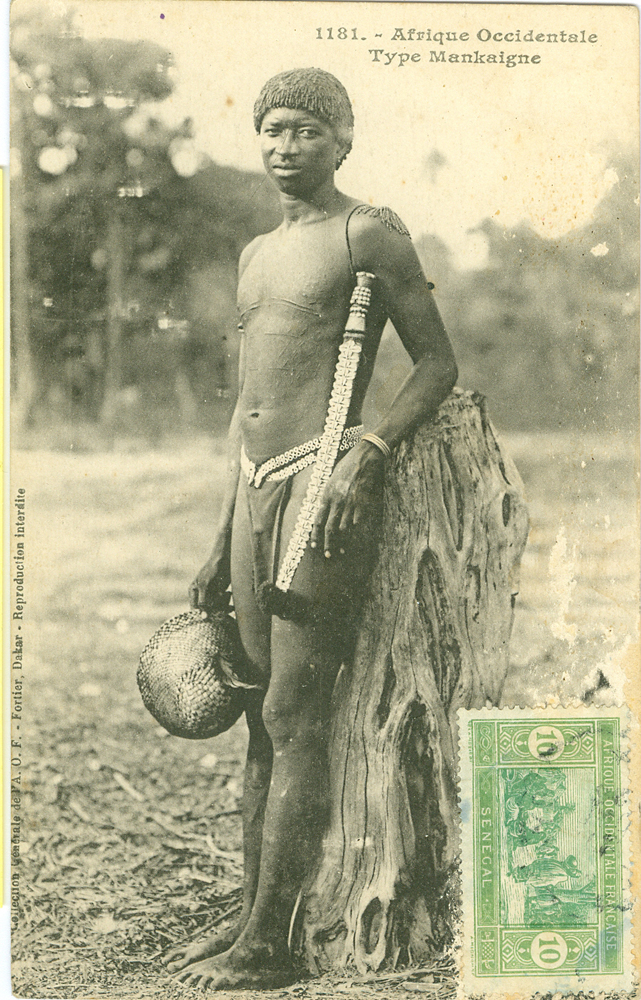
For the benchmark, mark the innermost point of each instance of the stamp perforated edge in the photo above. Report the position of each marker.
(524, 986)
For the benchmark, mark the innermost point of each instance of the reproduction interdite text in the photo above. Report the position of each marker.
(17, 643)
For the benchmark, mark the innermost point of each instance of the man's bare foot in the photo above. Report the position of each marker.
(242, 967)
(186, 954)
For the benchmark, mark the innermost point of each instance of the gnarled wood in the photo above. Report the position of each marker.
(434, 638)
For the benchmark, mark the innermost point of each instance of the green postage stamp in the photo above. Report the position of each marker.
(545, 841)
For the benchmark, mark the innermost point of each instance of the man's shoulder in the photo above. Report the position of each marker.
(379, 239)
(370, 217)
(250, 250)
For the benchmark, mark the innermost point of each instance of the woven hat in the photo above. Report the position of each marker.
(193, 673)
(313, 90)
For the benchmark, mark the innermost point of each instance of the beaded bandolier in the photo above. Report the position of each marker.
(273, 598)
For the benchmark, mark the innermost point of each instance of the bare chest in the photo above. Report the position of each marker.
(305, 267)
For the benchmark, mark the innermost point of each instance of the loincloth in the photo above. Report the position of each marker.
(268, 487)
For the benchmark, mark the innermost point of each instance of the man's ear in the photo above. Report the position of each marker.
(344, 138)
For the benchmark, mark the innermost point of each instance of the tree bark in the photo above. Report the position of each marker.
(434, 638)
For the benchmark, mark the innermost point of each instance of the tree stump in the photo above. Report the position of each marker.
(434, 638)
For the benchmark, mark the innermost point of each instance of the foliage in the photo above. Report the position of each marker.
(121, 211)
(133, 236)
(548, 329)
(73, 100)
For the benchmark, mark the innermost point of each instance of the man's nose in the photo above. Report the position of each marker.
(287, 144)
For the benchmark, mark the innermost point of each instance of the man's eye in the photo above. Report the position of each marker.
(308, 133)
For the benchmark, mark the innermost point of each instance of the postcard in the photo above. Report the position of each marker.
(323, 661)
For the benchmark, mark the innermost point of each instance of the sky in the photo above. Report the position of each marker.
(446, 144)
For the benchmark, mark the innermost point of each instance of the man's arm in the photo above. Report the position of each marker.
(213, 579)
(356, 483)
(409, 303)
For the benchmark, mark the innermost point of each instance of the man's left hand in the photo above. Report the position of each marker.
(353, 494)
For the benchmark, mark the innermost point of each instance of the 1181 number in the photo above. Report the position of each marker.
(340, 33)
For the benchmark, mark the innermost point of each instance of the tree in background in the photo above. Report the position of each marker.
(115, 216)
(547, 330)
(73, 100)
(125, 241)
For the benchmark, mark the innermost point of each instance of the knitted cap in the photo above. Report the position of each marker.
(312, 90)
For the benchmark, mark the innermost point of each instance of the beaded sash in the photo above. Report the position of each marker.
(348, 357)
(294, 460)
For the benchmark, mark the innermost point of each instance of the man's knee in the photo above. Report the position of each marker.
(293, 715)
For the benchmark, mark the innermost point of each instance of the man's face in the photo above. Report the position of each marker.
(300, 151)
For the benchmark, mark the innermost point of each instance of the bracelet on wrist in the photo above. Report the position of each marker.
(378, 442)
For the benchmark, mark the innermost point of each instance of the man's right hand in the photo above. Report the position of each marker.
(209, 589)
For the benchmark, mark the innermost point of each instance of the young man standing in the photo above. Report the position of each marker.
(293, 296)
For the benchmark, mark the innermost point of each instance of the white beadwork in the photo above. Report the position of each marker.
(256, 474)
(288, 463)
(348, 357)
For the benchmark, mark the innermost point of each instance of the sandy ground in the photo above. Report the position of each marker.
(129, 838)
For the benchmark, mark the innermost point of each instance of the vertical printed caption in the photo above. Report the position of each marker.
(18, 601)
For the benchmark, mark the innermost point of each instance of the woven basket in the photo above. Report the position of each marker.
(188, 675)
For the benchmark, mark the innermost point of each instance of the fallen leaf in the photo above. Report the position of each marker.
(199, 877)
(105, 924)
(127, 787)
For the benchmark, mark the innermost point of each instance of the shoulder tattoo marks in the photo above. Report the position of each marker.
(393, 222)
(386, 216)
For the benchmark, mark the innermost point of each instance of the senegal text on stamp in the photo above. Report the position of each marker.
(545, 850)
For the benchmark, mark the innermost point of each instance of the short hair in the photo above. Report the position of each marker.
(313, 90)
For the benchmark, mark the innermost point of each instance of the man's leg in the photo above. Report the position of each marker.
(295, 714)
(258, 769)
(304, 662)
(255, 633)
